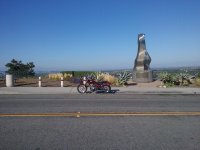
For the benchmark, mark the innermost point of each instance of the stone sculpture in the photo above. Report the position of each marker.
(141, 70)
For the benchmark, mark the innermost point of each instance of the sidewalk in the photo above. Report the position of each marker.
(117, 90)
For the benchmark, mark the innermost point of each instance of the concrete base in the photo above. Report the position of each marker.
(9, 80)
(143, 76)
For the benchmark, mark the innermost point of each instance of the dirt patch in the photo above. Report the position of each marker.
(156, 83)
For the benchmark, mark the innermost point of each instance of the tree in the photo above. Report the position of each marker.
(19, 69)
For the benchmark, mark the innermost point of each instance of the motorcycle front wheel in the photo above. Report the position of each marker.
(107, 88)
(81, 88)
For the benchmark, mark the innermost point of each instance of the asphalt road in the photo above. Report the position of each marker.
(99, 133)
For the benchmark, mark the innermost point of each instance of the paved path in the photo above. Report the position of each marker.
(118, 90)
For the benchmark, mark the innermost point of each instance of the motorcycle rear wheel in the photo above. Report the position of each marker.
(81, 88)
(107, 88)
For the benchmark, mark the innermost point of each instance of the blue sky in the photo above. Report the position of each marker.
(99, 34)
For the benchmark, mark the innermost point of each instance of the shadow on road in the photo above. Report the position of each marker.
(104, 92)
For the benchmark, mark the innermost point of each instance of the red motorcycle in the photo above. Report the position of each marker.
(92, 85)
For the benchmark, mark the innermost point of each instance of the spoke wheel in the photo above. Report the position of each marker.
(107, 88)
(81, 88)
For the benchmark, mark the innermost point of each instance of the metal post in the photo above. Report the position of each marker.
(62, 82)
(40, 82)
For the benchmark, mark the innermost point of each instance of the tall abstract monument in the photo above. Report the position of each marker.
(141, 70)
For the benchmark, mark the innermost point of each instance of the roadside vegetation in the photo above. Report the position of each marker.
(57, 76)
(178, 79)
(197, 81)
(122, 78)
(119, 79)
(25, 75)
(78, 73)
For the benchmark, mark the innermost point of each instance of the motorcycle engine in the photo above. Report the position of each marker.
(92, 88)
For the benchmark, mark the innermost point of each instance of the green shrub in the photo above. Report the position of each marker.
(172, 79)
(198, 75)
(123, 77)
(99, 76)
(197, 81)
(169, 84)
(184, 79)
(164, 76)
(169, 79)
